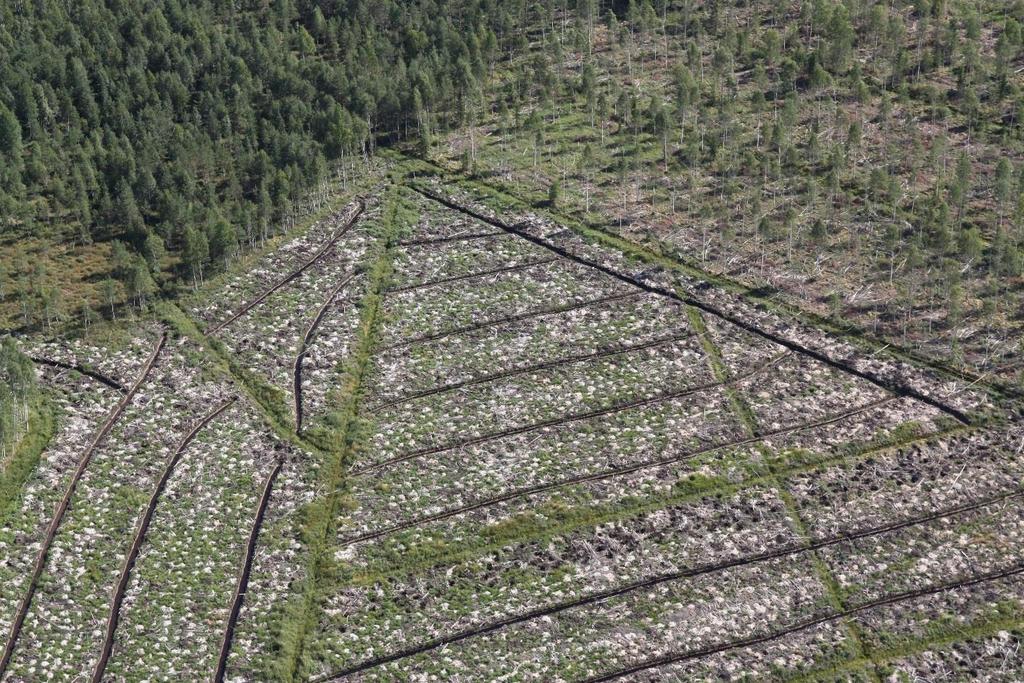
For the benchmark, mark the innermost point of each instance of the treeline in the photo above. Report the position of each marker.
(187, 130)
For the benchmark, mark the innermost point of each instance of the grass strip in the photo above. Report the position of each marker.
(342, 441)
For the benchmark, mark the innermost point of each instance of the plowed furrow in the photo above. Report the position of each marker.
(536, 367)
(896, 598)
(568, 419)
(81, 369)
(307, 337)
(140, 537)
(245, 573)
(554, 310)
(454, 238)
(615, 472)
(708, 568)
(292, 275)
(472, 276)
(62, 507)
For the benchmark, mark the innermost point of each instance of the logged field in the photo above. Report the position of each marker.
(425, 440)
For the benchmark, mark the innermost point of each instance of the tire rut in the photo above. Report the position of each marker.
(62, 507)
(140, 536)
(295, 273)
(608, 474)
(896, 598)
(700, 570)
(892, 387)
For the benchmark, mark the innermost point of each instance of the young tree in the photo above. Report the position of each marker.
(1003, 186)
(10, 135)
(111, 292)
(153, 251)
(223, 242)
(140, 283)
(121, 260)
(661, 123)
(960, 188)
(195, 254)
(554, 193)
(87, 315)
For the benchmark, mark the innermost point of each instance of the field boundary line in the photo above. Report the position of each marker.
(300, 615)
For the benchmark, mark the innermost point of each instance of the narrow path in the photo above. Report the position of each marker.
(700, 570)
(81, 369)
(676, 657)
(606, 352)
(434, 336)
(140, 536)
(568, 419)
(307, 337)
(58, 515)
(243, 577)
(294, 274)
(472, 276)
(892, 387)
(611, 473)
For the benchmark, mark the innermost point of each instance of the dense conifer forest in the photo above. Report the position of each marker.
(156, 139)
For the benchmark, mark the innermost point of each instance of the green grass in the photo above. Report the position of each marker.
(24, 459)
(302, 614)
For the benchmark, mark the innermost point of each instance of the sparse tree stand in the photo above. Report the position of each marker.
(140, 283)
(195, 253)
